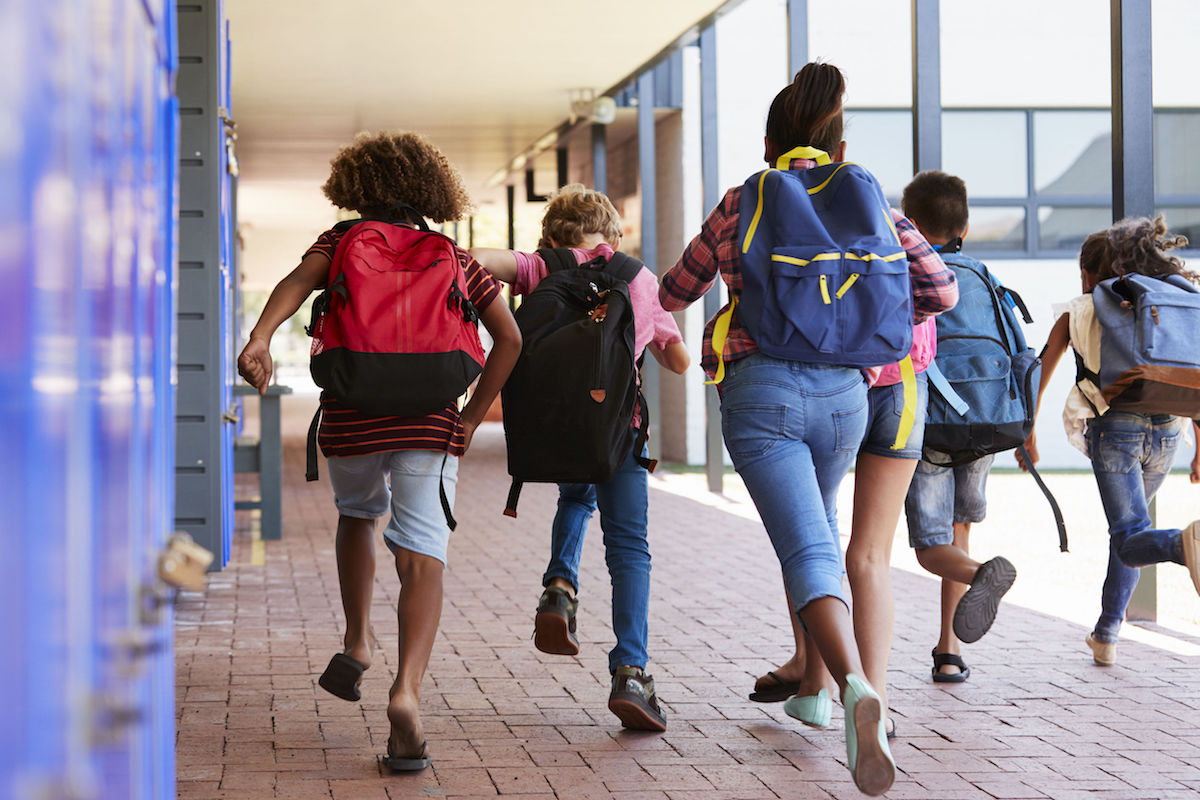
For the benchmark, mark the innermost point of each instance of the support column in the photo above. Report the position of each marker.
(1133, 177)
(714, 446)
(647, 165)
(927, 85)
(600, 157)
(797, 22)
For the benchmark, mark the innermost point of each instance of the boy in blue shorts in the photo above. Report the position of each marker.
(943, 502)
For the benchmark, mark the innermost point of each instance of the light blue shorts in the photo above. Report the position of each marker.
(418, 522)
(883, 422)
(939, 497)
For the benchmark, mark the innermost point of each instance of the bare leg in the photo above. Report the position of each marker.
(792, 670)
(956, 568)
(355, 548)
(880, 485)
(828, 623)
(418, 612)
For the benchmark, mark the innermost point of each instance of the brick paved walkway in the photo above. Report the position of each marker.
(1036, 719)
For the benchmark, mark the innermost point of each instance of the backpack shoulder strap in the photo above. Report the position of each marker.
(623, 266)
(558, 258)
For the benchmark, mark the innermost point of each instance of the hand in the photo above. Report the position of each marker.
(1031, 448)
(1196, 468)
(255, 365)
(468, 428)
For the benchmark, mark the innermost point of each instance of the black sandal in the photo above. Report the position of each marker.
(949, 659)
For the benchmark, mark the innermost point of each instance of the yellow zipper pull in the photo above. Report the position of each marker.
(825, 290)
(846, 286)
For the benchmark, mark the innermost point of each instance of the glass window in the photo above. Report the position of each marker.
(1062, 228)
(1176, 159)
(1072, 152)
(881, 141)
(995, 228)
(874, 55)
(987, 150)
(1185, 221)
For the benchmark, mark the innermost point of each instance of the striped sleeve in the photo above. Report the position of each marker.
(325, 244)
(934, 286)
(482, 288)
(699, 265)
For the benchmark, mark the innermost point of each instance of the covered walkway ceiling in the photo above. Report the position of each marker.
(483, 80)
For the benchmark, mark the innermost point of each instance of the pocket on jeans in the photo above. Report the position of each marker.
(752, 430)
(849, 427)
(1116, 451)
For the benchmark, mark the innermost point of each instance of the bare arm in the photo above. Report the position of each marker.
(674, 357)
(1196, 457)
(506, 347)
(1056, 346)
(501, 263)
(254, 363)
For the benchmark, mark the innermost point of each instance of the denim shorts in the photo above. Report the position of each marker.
(939, 497)
(886, 405)
(364, 487)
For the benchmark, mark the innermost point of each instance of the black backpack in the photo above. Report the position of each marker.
(570, 400)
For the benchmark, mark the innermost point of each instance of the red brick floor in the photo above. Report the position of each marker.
(1036, 720)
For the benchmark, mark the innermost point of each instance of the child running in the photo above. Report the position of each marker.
(1130, 453)
(379, 462)
(792, 427)
(943, 502)
(586, 221)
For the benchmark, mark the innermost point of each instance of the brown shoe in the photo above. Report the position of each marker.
(1103, 653)
(554, 625)
(1191, 552)
(634, 702)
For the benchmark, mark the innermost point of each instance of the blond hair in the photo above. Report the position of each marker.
(573, 212)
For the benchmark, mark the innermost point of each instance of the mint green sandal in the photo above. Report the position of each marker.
(814, 710)
(867, 754)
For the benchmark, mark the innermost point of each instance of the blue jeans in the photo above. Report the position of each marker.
(623, 503)
(793, 430)
(1131, 455)
(939, 497)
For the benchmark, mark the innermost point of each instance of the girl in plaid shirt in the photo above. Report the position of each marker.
(793, 429)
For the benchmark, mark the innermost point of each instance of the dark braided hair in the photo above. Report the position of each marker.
(808, 111)
(1135, 245)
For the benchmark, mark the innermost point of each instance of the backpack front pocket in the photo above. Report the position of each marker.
(801, 309)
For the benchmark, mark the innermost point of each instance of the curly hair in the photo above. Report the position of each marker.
(937, 202)
(573, 212)
(1136, 245)
(378, 175)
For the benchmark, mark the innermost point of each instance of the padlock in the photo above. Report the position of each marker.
(183, 562)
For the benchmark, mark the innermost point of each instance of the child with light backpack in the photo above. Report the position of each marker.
(821, 288)
(1133, 335)
(573, 415)
(982, 355)
(395, 345)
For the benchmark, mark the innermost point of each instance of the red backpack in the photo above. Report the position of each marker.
(394, 333)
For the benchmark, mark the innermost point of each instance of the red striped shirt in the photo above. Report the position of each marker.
(347, 431)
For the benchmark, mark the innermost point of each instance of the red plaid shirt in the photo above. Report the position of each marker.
(715, 249)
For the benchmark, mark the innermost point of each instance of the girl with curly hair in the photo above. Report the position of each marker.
(1131, 453)
(380, 462)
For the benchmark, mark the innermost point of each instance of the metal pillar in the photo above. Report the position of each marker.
(714, 448)
(927, 85)
(204, 413)
(1133, 177)
(561, 165)
(647, 165)
(797, 22)
(600, 157)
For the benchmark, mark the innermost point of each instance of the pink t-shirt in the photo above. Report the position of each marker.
(924, 348)
(652, 324)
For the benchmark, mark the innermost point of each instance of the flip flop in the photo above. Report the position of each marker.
(406, 763)
(342, 676)
(781, 691)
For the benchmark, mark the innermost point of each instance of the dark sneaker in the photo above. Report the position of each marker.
(976, 611)
(554, 625)
(634, 702)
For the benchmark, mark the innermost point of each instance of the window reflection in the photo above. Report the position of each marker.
(1176, 161)
(987, 149)
(1072, 152)
(1062, 228)
(995, 228)
(881, 141)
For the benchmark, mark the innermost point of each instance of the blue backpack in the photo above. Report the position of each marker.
(984, 377)
(824, 276)
(1149, 356)
(984, 380)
